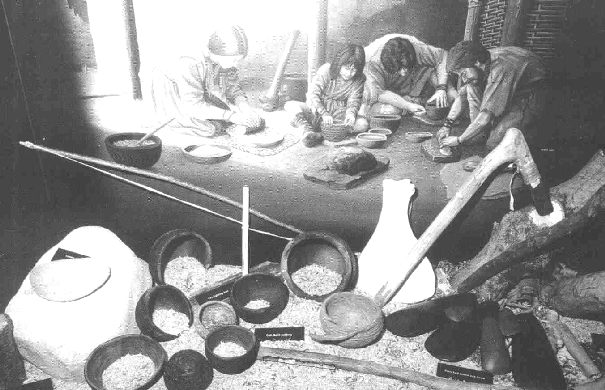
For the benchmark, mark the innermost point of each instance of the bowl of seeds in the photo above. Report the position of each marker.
(259, 298)
(128, 362)
(180, 258)
(317, 264)
(163, 312)
(231, 349)
(124, 148)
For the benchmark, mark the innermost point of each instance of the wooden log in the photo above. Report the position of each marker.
(372, 368)
(597, 385)
(473, 15)
(579, 297)
(516, 238)
(514, 22)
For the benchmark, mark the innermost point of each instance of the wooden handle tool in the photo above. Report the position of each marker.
(152, 132)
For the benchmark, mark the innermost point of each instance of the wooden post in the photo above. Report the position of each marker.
(132, 48)
(471, 29)
(514, 22)
(317, 36)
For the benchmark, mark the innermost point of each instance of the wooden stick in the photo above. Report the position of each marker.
(372, 368)
(152, 132)
(512, 148)
(270, 98)
(157, 176)
(245, 225)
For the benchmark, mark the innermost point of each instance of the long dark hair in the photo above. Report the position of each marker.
(350, 54)
(393, 53)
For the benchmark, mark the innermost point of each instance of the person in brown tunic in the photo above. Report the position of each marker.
(203, 94)
(334, 95)
(514, 95)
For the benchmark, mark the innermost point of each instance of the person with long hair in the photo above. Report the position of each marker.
(334, 95)
(203, 94)
(403, 73)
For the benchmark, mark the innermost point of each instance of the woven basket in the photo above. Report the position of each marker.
(350, 320)
(335, 132)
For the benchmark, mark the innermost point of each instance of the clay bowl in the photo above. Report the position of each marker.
(436, 113)
(177, 243)
(335, 132)
(231, 334)
(214, 314)
(110, 351)
(321, 248)
(371, 140)
(255, 287)
(388, 121)
(380, 130)
(188, 370)
(122, 149)
(161, 297)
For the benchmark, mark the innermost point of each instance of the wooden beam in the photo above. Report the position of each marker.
(513, 27)
(471, 29)
(317, 36)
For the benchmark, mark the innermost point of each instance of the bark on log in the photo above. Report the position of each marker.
(516, 239)
(372, 368)
(579, 297)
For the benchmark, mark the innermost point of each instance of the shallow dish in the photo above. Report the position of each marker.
(380, 130)
(371, 140)
(207, 153)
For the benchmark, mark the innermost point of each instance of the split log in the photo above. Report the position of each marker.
(517, 238)
(372, 368)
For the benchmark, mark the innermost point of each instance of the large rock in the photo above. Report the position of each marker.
(58, 336)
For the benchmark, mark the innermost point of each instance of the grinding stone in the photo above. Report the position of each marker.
(415, 321)
(535, 366)
(454, 341)
(430, 148)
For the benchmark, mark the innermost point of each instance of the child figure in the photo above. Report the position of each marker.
(335, 95)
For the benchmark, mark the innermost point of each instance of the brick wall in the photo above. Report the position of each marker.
(544, 23)
(490, 23)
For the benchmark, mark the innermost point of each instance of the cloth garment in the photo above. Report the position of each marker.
(336, 97)
(186, 88)
(430, 59)
(515, 92)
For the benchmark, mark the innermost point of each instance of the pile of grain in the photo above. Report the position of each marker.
(229, 349)
(189, 275)
(128, 372)
(257, 304)
(316, 280)
(170, 321)
(132, 143)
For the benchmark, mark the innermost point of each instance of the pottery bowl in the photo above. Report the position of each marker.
(110, 351)
(389, 121)
(123, 149)
(214, 314)
(231, 334)
(259, 288)
(188, 370)
(177, 243)
(380, 130)
(161, 297)
(371, 140)
(323, 249)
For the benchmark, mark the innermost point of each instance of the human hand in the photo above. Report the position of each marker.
(450, 141)
(442, 133)
(439, 97)
(327, 119)
(415, 109)
(349, 119)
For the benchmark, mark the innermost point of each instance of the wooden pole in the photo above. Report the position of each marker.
(245, 225)
(132, 48)
(157, 176)
(513, 27)
(372, 368)
(317, 35)
(270, 99)
(473, 15)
